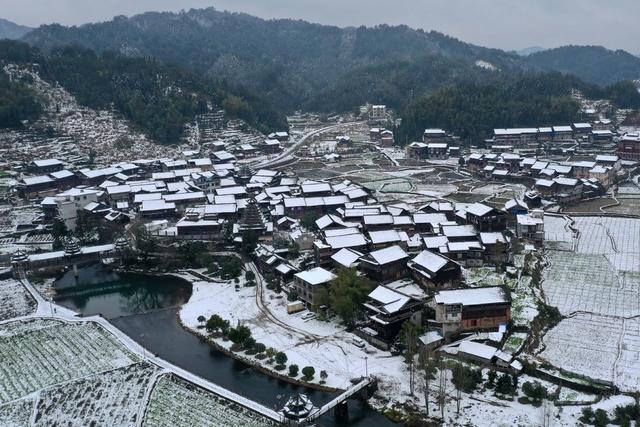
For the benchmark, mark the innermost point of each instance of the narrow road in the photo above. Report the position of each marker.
(260, 285)
(286, 154)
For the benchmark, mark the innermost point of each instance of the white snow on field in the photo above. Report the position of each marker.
(597, 347)
(598, 286)
(322, 345)
(176, 403)
(120, 392)
(15, 301)
(584, 344)
(557, 234)
(16, 413)
(603, 275)
(39, 353)
(587, 283)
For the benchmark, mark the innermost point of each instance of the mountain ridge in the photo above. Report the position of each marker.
(11, 30)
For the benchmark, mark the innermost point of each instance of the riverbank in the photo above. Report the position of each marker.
(254, 363)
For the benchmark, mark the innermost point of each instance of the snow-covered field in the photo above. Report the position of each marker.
(557, 234)
(15, 301)
(598, 286)
(39, 353)
(120, 394)
(598, 347)
(176, 403)
(602, 276)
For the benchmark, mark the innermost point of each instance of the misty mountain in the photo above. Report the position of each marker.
(289, 61)
(529, 50)
(11, 30)
(594, 64)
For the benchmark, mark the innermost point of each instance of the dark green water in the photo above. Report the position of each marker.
(145, 308)
(100, 291)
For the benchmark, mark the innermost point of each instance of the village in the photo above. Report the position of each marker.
(514, 266)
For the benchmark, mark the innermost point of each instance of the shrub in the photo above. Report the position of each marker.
(250, 275)
(600, 419)
(259, 347)
(293, 370)
(587, 415)
(202, 319)
(281, 358)
(248, 343)
(308, 372)
(217, 324)
(504, 385)
(491, 378)
(534, 390)
(239, 335)
(260, 356)
(279, 367)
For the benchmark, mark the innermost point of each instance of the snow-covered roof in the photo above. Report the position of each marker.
(62, 174)
(316, 276)
(47, 162)
(33, 180)
(476, 349)
(390, 300)
(156, 205)
(472, 296)
(603, 158)
(384, 236)
(459, 231)
(478, 209)
(434, 242)
(430, 261)
(430, 337)
(347, 241)
(582, 125)
(434, 131)
(346, 257)
(378, 219)
(491, 238)
(388, 255)
(529, 220)
(562, 129)
(429, 218)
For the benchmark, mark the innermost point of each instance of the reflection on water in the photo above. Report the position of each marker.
(97, 290)
(145, 308)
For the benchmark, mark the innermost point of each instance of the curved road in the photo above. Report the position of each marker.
(286, 154)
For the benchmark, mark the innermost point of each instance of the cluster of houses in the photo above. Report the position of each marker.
(416, 256)
(600, 131)
(564, 182)
(436, 144)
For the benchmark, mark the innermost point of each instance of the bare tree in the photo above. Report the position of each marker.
(427, 363)
(409, 334)
(442, 387)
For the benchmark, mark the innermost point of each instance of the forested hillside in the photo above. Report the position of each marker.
(17, 103)
(594, 64)
(157, 98)
(474, 110)
(293, 63)
(297, 64)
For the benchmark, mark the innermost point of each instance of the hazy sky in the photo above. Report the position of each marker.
(507, 24)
